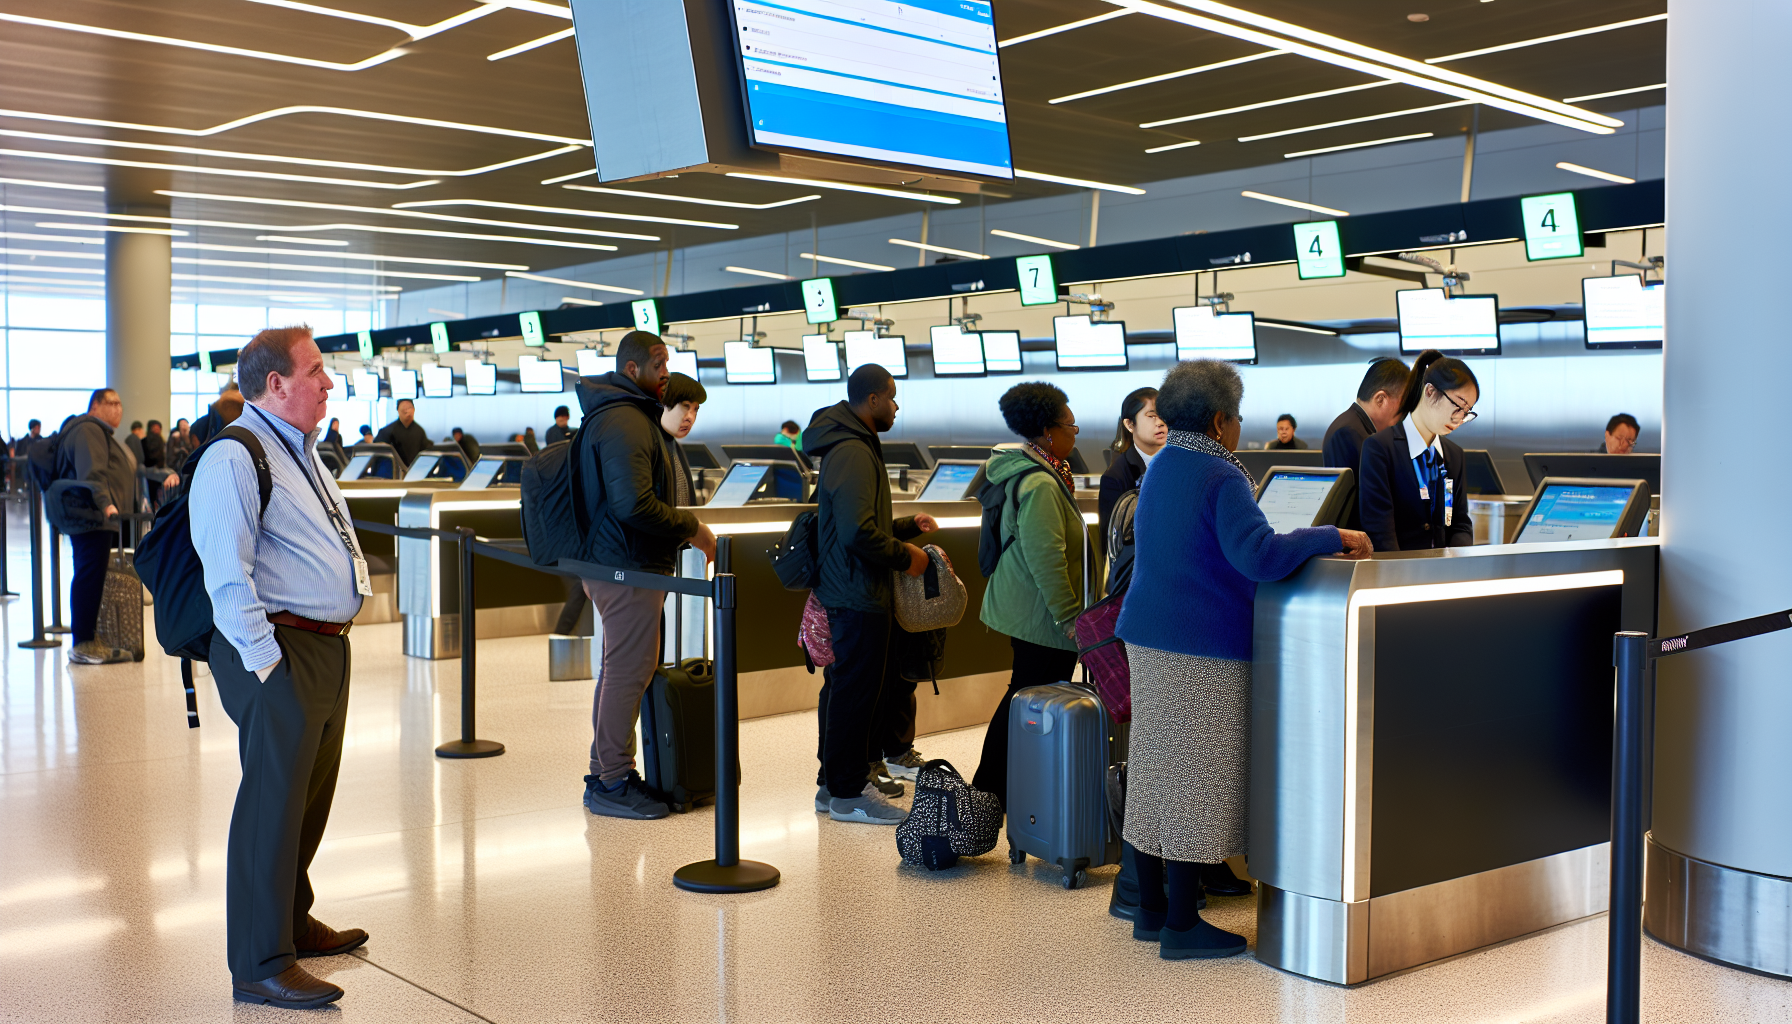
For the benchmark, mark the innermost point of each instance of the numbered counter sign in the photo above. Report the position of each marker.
(1038, 286)
(438, 337)
(647, 315)
(1551, 227)
(1317, 250)
(532, 334)
(818, 301)
(364, 342)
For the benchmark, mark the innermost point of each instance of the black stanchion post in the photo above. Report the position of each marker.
(36, 518)
(1624, 952)
(6, 590)
(467, 745)
(55, 625)
(727, 873)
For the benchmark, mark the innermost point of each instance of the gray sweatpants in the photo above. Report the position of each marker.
(630, 618)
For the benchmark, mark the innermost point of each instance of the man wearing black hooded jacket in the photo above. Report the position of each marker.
(636, 491)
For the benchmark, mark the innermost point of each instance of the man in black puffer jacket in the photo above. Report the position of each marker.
(632, 484)
(860, 545)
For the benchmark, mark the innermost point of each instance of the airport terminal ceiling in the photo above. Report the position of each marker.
(147, 104)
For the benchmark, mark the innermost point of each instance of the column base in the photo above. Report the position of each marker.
(1725, 914)
(708, 876)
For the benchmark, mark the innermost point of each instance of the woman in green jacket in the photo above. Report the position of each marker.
(1036, 592)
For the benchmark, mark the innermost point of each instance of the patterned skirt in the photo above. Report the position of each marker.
(1188, 779)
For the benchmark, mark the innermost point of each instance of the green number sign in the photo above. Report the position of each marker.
(818, 301)
(1317, 251)
(1551, 227)
(1038, 286)
(438, 337)
(647, 315)
(364, 341)
(532, 335)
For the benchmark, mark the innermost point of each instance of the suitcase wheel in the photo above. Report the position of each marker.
(1076, 879)
(1016, 855)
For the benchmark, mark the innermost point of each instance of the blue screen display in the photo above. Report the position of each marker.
(949, 482)
(1574, 513)
(738, 486)
(905, 82)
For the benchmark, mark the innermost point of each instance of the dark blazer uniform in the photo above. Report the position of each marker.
(1393, 514)
(1122, 475)
(1343, 448)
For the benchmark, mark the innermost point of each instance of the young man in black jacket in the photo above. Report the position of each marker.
(860, 545)
(630, 481)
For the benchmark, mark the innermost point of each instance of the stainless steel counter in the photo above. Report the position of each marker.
(1431, 749)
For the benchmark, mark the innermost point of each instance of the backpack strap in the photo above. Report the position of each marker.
(1014, 499)
(264, 479)
(186, 680)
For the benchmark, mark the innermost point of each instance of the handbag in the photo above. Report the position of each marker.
(936, 599)
(814, 636)
(948, 819)
(1103, 655)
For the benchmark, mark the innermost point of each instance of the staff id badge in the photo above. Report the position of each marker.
(363, 584)
(1449, 501)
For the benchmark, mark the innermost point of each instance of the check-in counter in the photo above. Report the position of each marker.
(1497, 517)
(512, 600)
(1431, 749)
(376, 500)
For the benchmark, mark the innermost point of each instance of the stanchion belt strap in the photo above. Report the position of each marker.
(1711, 636)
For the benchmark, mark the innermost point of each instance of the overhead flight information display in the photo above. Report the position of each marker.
(1084, 344)
(1001, 351)
(680, 361)
(869, 347)
(914, 83)
(1203, 332)
(745, 363)
(955, 353)
(821, 358)
(1432, 318)
(482, 377)
(593, 363)
(1622, 312)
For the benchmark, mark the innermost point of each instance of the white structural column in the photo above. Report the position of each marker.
(1722, 825)
(138, 290)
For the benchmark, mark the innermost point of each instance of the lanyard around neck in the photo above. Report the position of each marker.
(331, 512)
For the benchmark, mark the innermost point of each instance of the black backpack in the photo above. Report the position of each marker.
(797, 558)
(170, 567)
(45, 457)
(555, 520)
(1119, 541)
(994, 498)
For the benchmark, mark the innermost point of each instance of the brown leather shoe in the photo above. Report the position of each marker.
(293, 988)
(319, 939)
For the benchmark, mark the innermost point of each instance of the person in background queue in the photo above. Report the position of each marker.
(155, 446)
(560, 431)
(528, 439)
(333, 438)
(90, 453)
(406, 436)
(180, 445)
(284, 583)
(1138, 438)
(1621, 432)
(860, 546)
(1036, 591)
(634, 486)
(220, 414)
(1412, 489)
(789, 435)
(469, 445)
(366, 434)
(1204, 547)
(1376, 407)
(133, 442)
(1285, 439)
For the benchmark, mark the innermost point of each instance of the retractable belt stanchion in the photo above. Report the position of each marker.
(38, 639)
(6, 590)
(55, 625)
(467, 745)
(1633, 657)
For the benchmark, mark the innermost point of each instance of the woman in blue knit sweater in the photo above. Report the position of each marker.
(1203, 546)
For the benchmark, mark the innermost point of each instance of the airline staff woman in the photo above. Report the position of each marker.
(1412, 488)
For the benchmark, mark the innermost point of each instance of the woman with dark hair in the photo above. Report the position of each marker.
(1413, 490)
(1036, 591)
(1139, 437)
(1203, 545)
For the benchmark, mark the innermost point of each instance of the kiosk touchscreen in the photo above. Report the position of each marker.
(1598, 465)
(903, 453)
(699, 455)
(1481, 476)
(737, 487)
(1293, 497)
(1585, 508)
(1257, 461)
(764, 453)
(481, 476)
(973, 452)
(953, 480)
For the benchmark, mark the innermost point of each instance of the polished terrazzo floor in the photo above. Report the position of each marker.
(492, 895)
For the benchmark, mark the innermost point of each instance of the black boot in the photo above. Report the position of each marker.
(1123, 903)
(1219, 880)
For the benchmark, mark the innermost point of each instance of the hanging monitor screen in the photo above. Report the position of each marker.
(821, 358)
(743, 363)
(1204, 333)
(680, 361)
(438, 382)
(482, 378)
(404, 383)
(914, 83)
(867, 347)
(593, 363)
(1623, 312)
(540, 376)
(955, 353)
(338, 385)
(1431, 318)
(1084, 344)
(366, 385)
(1001, 351)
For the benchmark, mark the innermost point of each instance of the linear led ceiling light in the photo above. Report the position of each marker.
(52, 184)
(1566, 166)
(401, 212)
(1359, 145)
(1185, 144)
(692, 199)
(29, 237)
(1078, 182)
(1035, 239)
(1066, 27)
(1616, 92)
(569, 300)
(841, 262)
(1354, 120)
(552, 37)
(193, 44)
(846, 186)
(412, 31)
(368, 257)
(288, 284)
(568, 177)
(374, 115)
(5, 251)
(304, 268)
(1297, 204)
(29, 269)
(120, 228)
(1154, 79)
(300, 241)
(228, 172)
(758, 273)
(566, 211)
(1547, 39)
(1343, 53)
(575, 284)
(928, 247)
(1266, 103)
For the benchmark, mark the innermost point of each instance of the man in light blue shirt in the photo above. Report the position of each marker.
(285, 583)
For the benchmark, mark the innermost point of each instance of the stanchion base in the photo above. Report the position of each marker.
(708, 876)
(470, 748)
(58, 630)
(46, 642)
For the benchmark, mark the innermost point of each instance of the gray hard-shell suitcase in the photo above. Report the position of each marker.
(1057, 780)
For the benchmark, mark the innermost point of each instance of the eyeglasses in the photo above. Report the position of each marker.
(1468, 415)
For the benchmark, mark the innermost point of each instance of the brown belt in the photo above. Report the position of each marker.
(315, 626)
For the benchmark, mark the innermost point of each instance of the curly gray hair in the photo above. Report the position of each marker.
(1194, 392)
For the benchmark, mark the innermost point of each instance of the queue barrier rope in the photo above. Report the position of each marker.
(726, 872)
(1633, 658)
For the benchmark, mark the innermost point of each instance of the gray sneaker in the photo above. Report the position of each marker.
(627, 798)
(883, 781)
(822, 799)
(870, 807)
(92, 652)
(906, 766)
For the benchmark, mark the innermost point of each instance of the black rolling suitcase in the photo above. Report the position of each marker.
(678, 726)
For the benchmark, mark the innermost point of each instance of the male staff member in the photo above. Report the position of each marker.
(1285, 439)
(404, 434)
(860, 545)
(1377, 406)
(1621, 432)
(560, 431)
(634, 489)
(284, 585)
